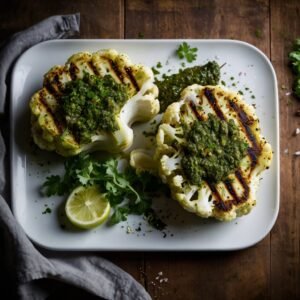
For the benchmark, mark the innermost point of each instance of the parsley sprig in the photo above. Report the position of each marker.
(294, 58)
(185, 51)
(127, 192)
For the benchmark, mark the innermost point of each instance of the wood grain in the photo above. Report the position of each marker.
(237, 275)
(271, 269)
(285, 237)
(244, 20)
(99, 18)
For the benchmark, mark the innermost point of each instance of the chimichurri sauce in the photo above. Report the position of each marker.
(90, 104)
(171, 86)
(213, 150)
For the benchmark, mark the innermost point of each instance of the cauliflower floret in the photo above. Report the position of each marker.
(49, 128)
(142, 161)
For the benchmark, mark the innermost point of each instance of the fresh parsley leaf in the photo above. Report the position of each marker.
(185, 51)
(53, 186)
(296, 87)
(294, 58)
(120, 214)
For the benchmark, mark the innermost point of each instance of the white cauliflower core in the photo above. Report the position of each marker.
(49, 134)
(225, 200)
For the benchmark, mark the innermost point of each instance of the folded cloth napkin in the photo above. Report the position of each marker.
(31, 274)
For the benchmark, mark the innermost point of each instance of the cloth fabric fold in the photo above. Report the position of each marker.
(22, 266)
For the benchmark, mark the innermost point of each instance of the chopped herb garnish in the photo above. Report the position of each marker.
(127, 192)
(47, 211)
(186, 52)
(223, 82)
(89, 105)
(141, 35)
(214, 149)
(155, 71)
(294, 58)
(258, 33)
(159, 65)
(172, 85)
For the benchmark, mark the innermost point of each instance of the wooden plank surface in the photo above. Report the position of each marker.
(269, 270)
(99, 19)
(285, 237)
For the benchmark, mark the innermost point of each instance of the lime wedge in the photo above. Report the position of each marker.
(87, 207)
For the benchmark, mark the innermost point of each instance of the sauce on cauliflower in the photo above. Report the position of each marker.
(171, 86)
(213, 150)
(90, 104)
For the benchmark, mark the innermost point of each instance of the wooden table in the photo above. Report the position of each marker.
(269, 270)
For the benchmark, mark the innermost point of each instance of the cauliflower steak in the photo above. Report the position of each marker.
(82, 120)
(218, 123)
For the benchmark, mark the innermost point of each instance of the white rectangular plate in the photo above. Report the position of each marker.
(247, 69)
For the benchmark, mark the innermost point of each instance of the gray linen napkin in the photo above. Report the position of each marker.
(21, 265)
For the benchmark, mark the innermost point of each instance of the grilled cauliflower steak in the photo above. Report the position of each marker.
(223, 199)
(49, 124)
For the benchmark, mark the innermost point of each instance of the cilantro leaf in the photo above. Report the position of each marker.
(294, 58)
(53, 186)
(296, 87)
(185, 51)
(120, 214)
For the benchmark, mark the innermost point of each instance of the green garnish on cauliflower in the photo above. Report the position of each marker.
(91, 102)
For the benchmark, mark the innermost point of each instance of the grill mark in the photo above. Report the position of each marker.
(219, 203)
(245, 122)
(244, 185)
(227, 205)
(231, 190)
(131, 78)
(57, 123)
(73, 70)
(51, 90)
(253, 154)
(93, 67)
(192, 105)
(117, 71)
(213, 103)
(255, 150)
(57, 82)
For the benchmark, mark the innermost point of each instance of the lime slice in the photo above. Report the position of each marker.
(86, 207)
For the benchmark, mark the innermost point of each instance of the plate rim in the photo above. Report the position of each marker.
(165, 41)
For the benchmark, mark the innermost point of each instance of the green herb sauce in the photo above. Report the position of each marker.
(90, 104)
(171, 86)
(214, 149)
